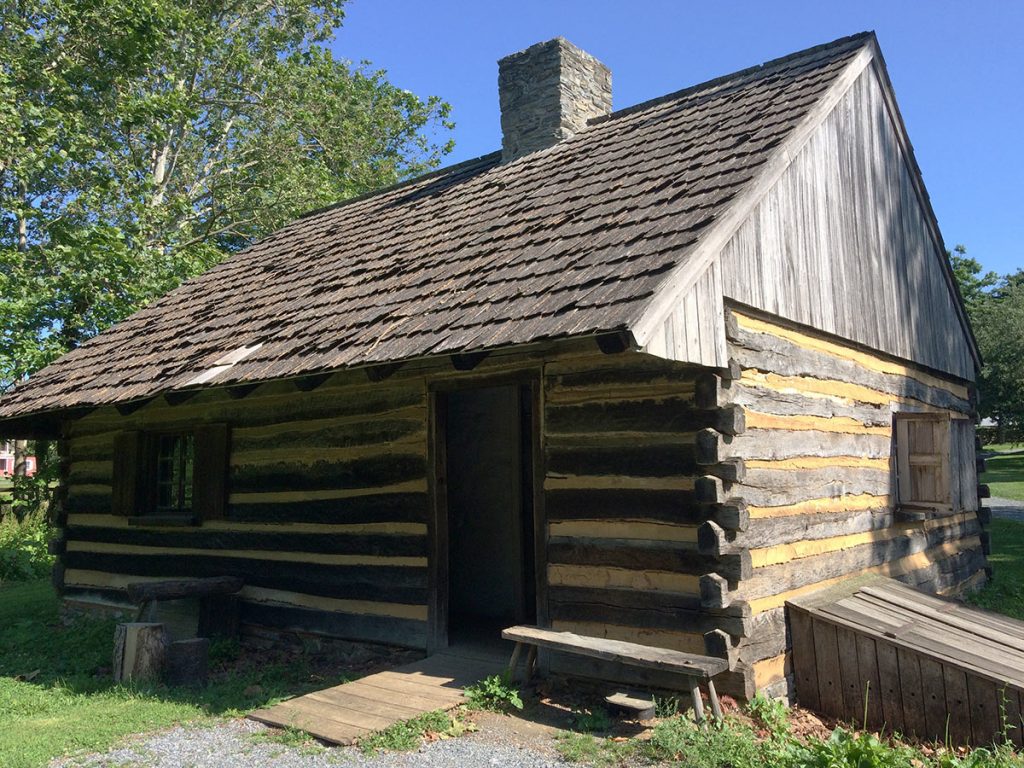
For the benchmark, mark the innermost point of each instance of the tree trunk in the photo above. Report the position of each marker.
(139, 652)
(20, 458)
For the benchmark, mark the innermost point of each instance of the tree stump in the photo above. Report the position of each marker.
(139, 652)
(187, 662)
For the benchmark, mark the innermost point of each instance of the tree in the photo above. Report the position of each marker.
(1000, 331)
(143, 140)
(996, 308)
(974, 286)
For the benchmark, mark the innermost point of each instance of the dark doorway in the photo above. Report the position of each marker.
(489, 458)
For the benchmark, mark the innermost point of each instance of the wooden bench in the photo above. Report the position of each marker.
(145, 594)
(695, 668)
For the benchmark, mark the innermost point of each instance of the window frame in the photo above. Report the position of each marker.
(905, 462)
(137, 479)
(186, 481)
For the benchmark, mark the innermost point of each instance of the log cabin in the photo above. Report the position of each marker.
(643, 375)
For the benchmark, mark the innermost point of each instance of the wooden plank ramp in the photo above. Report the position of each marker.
(347, 712)
(909, 661)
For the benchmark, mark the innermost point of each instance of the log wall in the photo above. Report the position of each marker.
(628, 481)
(327, 509)
(818, 480)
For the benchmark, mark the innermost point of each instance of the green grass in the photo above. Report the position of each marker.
(1005, 592)
(758, 742)
(1004, 475)
(408, 734)
(57, 696)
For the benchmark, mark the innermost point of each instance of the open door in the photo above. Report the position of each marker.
(488, 450)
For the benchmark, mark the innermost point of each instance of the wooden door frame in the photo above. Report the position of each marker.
(438, 572)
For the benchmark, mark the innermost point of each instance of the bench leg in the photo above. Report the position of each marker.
(716, 705)
(531, 663)
(514, 660)
(698, 705)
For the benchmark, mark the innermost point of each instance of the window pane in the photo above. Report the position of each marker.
(174, 464)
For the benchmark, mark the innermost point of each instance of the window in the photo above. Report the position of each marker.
(175, 478)
(935, 464)
(175, 456)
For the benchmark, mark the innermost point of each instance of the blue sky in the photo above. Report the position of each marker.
(957, 67)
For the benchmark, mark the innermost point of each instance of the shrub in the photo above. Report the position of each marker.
(23, 548)
(495, 693)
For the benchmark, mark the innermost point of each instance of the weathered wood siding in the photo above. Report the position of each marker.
(692, 332)
(843, 243)
(819, 478)
(327, 509)
(624, 502)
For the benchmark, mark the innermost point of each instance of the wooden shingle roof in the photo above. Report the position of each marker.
(573, 240)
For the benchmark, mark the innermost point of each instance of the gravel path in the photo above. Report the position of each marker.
(236, 744)
(1009, 509)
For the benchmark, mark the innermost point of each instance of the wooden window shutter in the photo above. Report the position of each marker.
(210, 471)
(923, 460)
(963, 468)
(130, 468)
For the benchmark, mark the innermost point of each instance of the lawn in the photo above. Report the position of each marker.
(1004, 475)
(1005, 592)
(57, 697)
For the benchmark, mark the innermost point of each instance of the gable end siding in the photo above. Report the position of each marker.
(842, 243)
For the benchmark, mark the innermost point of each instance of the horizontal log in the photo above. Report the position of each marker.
(628, 371)
(268, 407)
(406, 633)
(762, 399)
(773, 488)
(92, 472)
(769, 637)
(651, 610)
(776, 444)
(384, 545)
(646, 460)
(673, 506)
(79, 501)
(640, 554)
(776, 579)
(330, 433)
(370, 472)
(370, 508)
(670, 415)
(57, 546)
(177, 589)
(605, 672)
(769, 352)
(773, 531)
(363, 582)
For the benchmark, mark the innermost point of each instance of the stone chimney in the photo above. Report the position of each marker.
(547, 93)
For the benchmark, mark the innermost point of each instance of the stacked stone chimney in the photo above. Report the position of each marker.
(548, 93)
